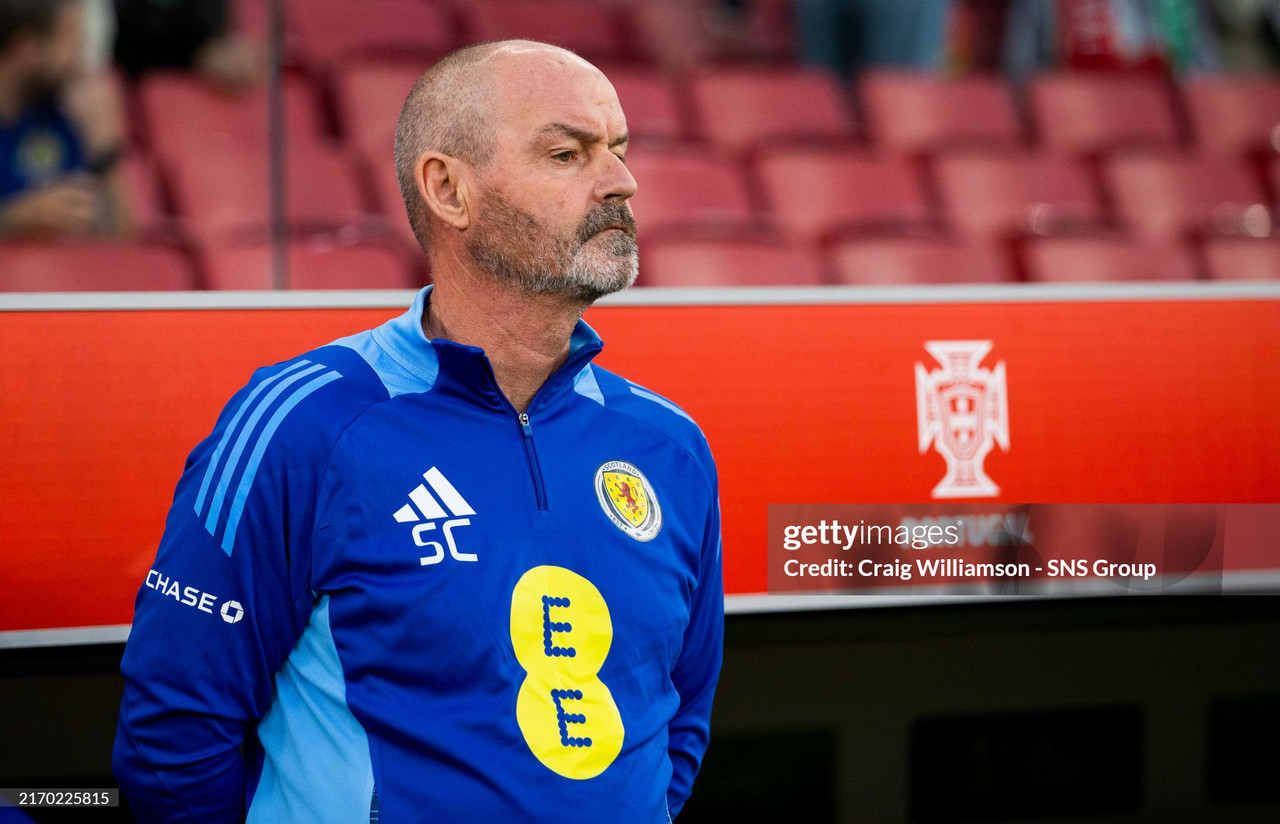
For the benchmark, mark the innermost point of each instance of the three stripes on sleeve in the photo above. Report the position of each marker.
(277, 395)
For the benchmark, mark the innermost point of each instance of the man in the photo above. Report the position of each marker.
(848, 36)
(447, 569)
(60, 129)
(195, 35)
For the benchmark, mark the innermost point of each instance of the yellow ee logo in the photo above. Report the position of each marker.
(561, 633)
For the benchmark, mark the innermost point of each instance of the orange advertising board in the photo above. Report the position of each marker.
(1119, 396)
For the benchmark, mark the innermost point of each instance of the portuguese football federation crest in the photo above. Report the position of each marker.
(628, 499)
(963, 410)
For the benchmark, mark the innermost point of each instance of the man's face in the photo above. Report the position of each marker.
(57, 59)
(552, 214)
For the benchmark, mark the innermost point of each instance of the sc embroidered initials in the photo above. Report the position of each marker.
(450, 503)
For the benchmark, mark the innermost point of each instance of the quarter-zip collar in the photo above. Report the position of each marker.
(464, 371)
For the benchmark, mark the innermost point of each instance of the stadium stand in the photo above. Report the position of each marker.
(671, 33)
(909, 261)
(250, 18)
(1087, 113)
(682, 188)
(923, 113)
(1099, 260)
(1168, 197)
(223, 194)
(146, 202)
(818, 192)
(681, 262)
(730, 135)
(593, 30)
(311, 266)
(769, 30)
(184, 116)
(1234, 115)
(993, 195)
(368, 98)
(739, 107)
(330, 32)
(1243, 258)
(655, 111)
(93, 267)
(1272, 176)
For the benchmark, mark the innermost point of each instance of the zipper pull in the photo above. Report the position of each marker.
(524, 424)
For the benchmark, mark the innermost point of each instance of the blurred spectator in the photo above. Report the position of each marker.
(975, 36)
(1109, 35)
(60, 129)
(194, 35)
(849, 35)
(1250, 33)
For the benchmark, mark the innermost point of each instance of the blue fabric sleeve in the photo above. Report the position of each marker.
(698, 668)
(224, 602)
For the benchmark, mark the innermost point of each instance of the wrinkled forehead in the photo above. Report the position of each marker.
(536, 86)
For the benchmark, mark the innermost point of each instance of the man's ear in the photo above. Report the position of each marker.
(444, 184)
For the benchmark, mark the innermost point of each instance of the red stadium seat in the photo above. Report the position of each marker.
(92, 267)
(1273, 176)
(330, 31)
(1165, 197)
(675, 262)
(224, 194)
(310, 267)
(814, 192)
(769, 29)
(1095, 260)
(1243, 258)
(390, 204)
(185, 116)
(369, 98)
(650, 103)
(250, 18)
(1234, 115)
(918, 112)
(676, 32)
(893, 261)
(688, 188)
(144, 199)
(672, 33)
(738, 108)
(589, 28)
(997, 194)
(1095, 112)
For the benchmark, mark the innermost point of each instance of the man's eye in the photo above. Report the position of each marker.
(565, 156)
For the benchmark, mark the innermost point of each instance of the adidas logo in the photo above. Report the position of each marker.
(446, 503)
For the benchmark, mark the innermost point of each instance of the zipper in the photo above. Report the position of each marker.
(535, 469)
(526, 430)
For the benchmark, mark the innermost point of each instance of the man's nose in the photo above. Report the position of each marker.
(615, 180)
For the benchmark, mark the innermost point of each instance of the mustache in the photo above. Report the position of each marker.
(608, 214)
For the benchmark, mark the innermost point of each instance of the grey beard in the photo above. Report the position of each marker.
(523, 253)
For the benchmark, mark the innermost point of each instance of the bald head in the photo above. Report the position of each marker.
(452, 110)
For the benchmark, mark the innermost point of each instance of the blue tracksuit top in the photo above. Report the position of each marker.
(382, 595)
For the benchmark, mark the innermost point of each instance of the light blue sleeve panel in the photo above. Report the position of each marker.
(229, 592)
(316, 763)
